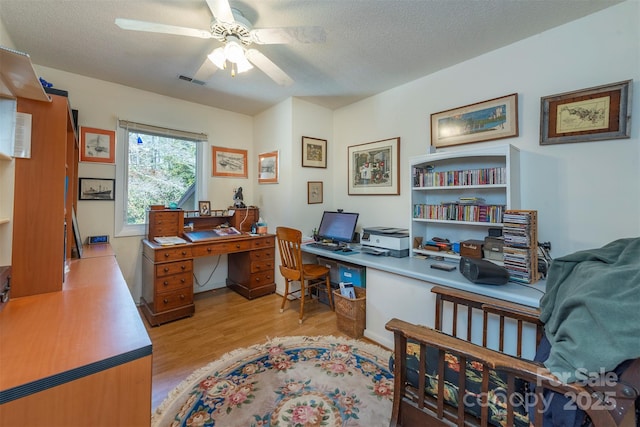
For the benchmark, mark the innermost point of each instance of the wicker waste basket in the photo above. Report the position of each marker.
(351, 312)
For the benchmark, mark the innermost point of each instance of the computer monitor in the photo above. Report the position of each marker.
(338, 226)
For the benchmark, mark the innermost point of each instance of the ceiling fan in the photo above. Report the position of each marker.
(230, 27)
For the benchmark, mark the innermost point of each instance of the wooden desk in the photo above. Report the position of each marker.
(81, 356)
(167, 273)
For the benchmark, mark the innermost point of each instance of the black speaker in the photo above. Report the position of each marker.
(483, 272)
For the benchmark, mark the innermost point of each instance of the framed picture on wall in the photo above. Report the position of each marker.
(96, 189)
(97, 145)
(314, 152)
(593, 114)
(314, 192)
(229, 162)
(268, 168)
(483, 121)
(374, 168)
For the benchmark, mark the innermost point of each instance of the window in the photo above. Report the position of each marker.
(156, 166)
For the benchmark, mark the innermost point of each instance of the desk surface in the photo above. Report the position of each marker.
(50, 338)
(420, 269)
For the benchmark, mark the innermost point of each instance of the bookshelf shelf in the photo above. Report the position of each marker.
(492, 174)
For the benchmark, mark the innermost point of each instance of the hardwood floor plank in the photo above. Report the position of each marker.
(224, 321)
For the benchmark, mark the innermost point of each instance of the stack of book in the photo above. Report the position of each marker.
(521, 245)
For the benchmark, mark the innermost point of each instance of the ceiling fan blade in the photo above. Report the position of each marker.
(221, 10)
(289, 35)
(268, 67)
(152, 27)
(206, 71)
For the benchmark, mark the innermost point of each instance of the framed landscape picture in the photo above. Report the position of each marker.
(314, 152)
(593, 114)
(229, 162)
(483, 121)
(374, 168)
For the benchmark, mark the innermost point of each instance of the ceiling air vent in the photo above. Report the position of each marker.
(191, 80)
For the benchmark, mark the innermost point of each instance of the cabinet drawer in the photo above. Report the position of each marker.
(262, 266)
(172, 283)
(171, 300)
(174, 268)
(262, 254)
(260, 279)
(266, 242)
(173, 254)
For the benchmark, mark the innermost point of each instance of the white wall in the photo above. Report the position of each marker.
(586, 194)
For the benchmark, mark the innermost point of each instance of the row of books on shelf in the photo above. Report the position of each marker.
(456, 211)
(424, 177)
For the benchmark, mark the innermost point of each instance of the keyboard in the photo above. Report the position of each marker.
(326, 246)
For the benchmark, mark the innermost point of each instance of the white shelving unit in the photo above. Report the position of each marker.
(504, 160)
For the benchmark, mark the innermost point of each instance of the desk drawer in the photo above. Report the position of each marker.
(262, 254)
(171, 300)
(260, 279)
(172, 254)
(265, 242)
(221, 248)
(262, 266)
(172, 283)
(170, 268)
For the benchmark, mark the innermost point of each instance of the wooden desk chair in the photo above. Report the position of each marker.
(293, 270)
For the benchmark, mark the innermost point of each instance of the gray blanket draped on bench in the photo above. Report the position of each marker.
(591, 310)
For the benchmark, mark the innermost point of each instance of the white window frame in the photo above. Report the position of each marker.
(121, 228)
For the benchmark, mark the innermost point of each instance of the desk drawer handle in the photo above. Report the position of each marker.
(237, 246)
(166, 269)
(257, 279)
(209, 249)
(182, 296)
(165, 283)
(167, 255)
(166, 301)
(184, 252)
(183, 266)
(182, 280)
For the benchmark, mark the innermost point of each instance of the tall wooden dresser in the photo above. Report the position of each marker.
(167, 271)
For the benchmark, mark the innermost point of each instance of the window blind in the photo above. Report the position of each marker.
(160, 131)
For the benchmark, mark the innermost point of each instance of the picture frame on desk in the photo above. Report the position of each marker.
(314, 152)
(204, 208)
(229, 162)
(374, 168)
(593, 114)
(96, 189)
(97, 145)
(489, 120)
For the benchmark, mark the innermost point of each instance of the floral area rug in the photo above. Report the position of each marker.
(290, 381)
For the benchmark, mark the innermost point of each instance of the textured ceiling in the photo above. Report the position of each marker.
(371, 45)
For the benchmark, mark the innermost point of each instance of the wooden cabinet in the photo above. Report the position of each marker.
(45, 194)
(167, 271)
(251, 273)
(167, 283)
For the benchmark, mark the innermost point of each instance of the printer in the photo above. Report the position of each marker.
(385, 241)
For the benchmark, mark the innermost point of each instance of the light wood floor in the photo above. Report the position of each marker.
(224, 321)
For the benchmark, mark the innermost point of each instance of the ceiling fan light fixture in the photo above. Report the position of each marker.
(218, 58)
(234, 51)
